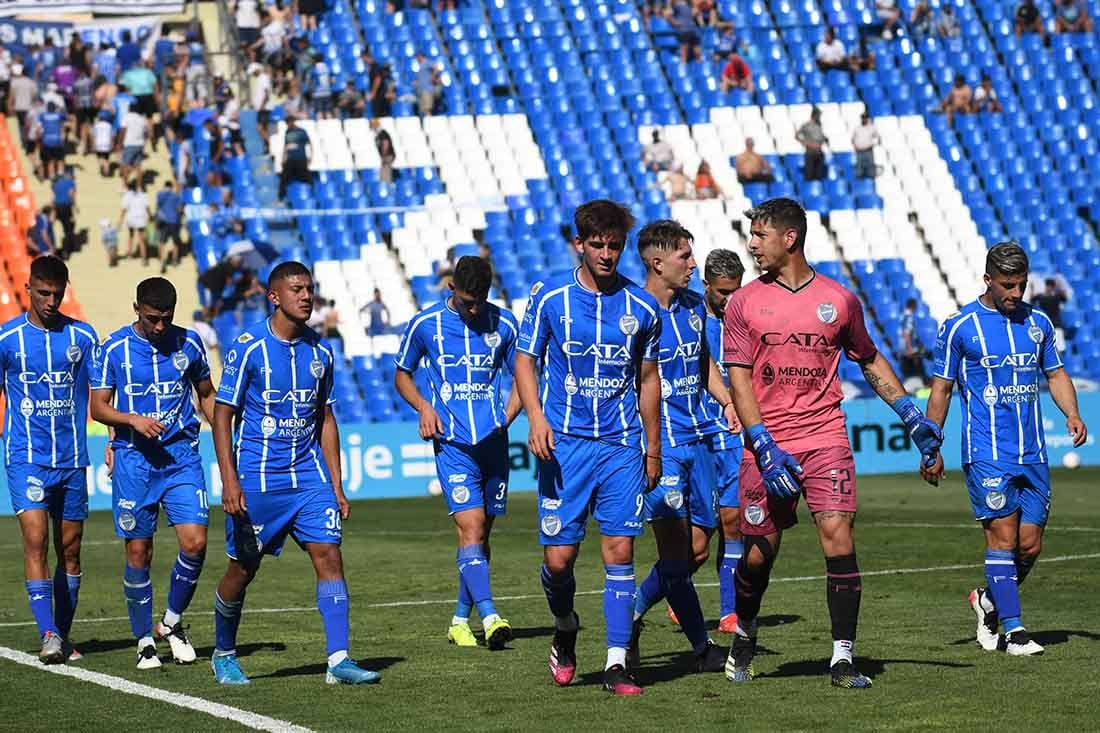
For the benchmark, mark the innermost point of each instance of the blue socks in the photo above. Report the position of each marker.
(1000, 571)
(181, 588)
(649, 593)
(139, 600)
(560, 590)
(332, 602)
(66, 593)
(40, 597)
(680, 591)
(465, 602)
(473, 568)
(731, 554)
(227, 619)
(618, 604)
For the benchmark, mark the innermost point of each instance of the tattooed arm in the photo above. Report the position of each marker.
(880, 375)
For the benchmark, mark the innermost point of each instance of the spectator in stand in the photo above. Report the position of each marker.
(705, 185)
(378, 315)
(330, 323)
(103, 142)
(105, 62)
(21, 98)
(140, 81)
(262, 97)
(351, 101)
(1071, 16)
(6, 63)
(922, 22)
(108, 235)
(46, 57)
(751, 166)
(40, 239)
(985, 97)
(84, 104)
(912, 352)
(129, 53)
(1050, 301)
(736, 74)
(888, 14)
(205, 331)
(320, 87)
(53, 122)
(295, 103)
(246, 13)
(959, 99)
(383, 92)
(428, 85)
(1029, 19)
(230, 123)
(864, 58)
(681, 16)
(813, 140)
(79, 55)
(135, 215)
(132, 135)
(658, 155)
(34, 136)
(726, 43)
(297, 153)
(864, 139)
(53, 94)
(384, 143)
(64, 76)
(169, 216)
(705, 13)
(64, 204)
(272, 40)
(830, 53)
(121, 104)
(104, 95)
(948, 25)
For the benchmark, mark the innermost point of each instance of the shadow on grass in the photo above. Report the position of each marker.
(244, 650)
(1061, 636)
(870, 667)
(376, 664)
(530, 632)
(102, 646)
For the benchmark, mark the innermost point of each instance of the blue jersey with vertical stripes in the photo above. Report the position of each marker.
(997, 361)
(46, 376)
(684, 354)
(463, 363)
(280, 390)
(710, 407)
(592, 345)
(154, 380)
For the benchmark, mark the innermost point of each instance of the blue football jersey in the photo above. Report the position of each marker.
(591, 345)
(710, 408)
(280, 390)
(154, 380)
(684, 354)
(46, 382)
(463, 364)
(997, 361)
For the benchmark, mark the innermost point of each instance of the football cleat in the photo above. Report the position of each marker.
(348, 672)
(739, 661)
(71, 653)
(563, 654)
(227, 670)
(52, 649)
(618, 681)
(633, 653)
(711, 659)
(498, 634)
(847, 676)
(182, 651)
(147, 656)
(1020, 644)
(672, 616)
(728, 623)
(987, 621)
(460, 635)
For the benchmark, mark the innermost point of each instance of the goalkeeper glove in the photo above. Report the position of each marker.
(924, 432)
(781, 472)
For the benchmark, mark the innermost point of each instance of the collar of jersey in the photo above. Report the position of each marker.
(583, 287)
(291, 342)
(995, 312)
(29, 322)
(813, 276)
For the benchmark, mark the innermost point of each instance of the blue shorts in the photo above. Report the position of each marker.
(726, 450)
(474, 476)
(999, 489)
(140, 483)
(586, 476)
(686, 487)
(307, 515)
(322, 104)
(133, 155)
(63, 492)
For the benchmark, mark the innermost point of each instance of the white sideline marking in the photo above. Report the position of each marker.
(530, 596)
(197, 704)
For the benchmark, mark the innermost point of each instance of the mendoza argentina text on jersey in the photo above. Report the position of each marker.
(684, 352)
(153, 380)
(280, 390)
(997, 361)
(592, 345)
(46, 382)
(463, 364)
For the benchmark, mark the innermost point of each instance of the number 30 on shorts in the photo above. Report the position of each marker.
(332, 519)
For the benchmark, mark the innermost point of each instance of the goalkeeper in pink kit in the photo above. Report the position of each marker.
(782, 341)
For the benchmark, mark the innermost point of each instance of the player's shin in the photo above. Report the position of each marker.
(332, 602)
(227, 619)
(676, 580)
(1000, 571)
(843, 589)
(751, 579)
(40, 597)
(618, 605)
(731, 552)
(465, 602)
(473, 567)
(650, 591)
(181, 587)
(560, 590)
(66, 594)
(138, 589)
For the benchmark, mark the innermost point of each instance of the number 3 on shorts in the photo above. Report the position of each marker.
(502, 491)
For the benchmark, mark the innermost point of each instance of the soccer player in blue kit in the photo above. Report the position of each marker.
(598, 335)
(995, 349)
(45, 357)
(143, 381)
(464, 342)
(278, 450)
(684, 499)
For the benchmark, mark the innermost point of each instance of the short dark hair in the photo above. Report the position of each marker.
(781, 213)
(156, 292)
(473, 275)
(50, 269)
(911, 303)
(601, 217)
(664, 234)
(284, 270)
(723, 263)
(1006, 258)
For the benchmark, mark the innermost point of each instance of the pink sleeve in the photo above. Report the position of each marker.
(736, 345)
(855, 340)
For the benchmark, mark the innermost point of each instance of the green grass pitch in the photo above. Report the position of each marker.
(916, 632)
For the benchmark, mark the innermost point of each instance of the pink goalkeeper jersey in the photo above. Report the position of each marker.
(792, 339)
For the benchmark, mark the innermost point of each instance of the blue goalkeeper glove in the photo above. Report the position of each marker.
(924, 432)
(781, 472)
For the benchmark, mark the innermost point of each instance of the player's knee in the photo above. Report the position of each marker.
(1028, 549)
(759, 554)
(700, 558)
(139, 553)
(193, 546)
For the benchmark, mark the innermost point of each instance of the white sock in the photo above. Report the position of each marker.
(842, 651)
(171, 618)
(459, 620)
(146, 641)
(616, 655)
(566, 623)
(489, 620)
(337, 657)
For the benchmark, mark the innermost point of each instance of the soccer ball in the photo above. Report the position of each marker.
(435, 488)
(1071, 460)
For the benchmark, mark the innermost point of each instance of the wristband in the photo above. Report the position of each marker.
(905, 409)
(755, 431)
